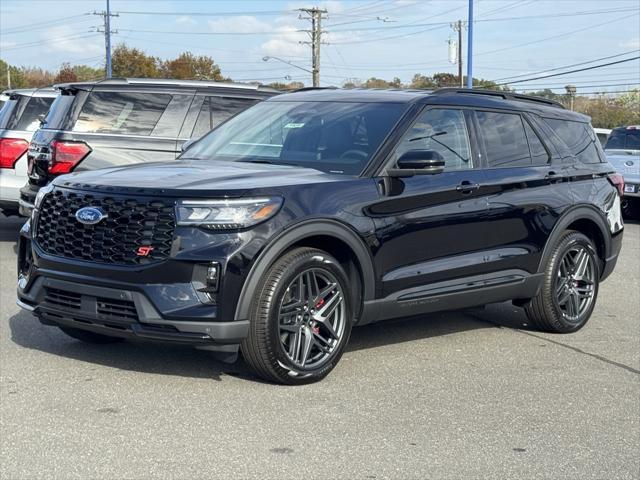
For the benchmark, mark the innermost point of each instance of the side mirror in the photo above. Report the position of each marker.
(187, 144)
(418, 162)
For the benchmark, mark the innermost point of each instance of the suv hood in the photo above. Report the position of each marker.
(231, 178)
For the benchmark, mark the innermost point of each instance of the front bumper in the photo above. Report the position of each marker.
(156, 302)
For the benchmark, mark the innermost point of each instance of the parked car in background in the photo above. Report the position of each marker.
(124, 121)
(602, 134)
(623, 152)
(319, 210)
(624, 140)
(20, 117)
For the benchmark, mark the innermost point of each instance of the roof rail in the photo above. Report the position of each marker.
(171, 81)
(500, 93)
(306, 89)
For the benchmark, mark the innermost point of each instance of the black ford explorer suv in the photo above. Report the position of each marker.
(316, 211)
(122, 121)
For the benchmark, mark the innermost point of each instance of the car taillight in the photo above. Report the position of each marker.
(66, 155)
(11, 149)
(617, 181)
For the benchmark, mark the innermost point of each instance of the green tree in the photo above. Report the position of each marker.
(131, 62)
(191, 67)
(18, 79)
(85, 73)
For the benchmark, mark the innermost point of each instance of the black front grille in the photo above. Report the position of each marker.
(63, 298)
(108, 307)
(130, 223)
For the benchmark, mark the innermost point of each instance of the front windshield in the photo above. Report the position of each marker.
(333, 137)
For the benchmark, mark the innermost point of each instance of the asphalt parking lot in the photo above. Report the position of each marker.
(472, 394)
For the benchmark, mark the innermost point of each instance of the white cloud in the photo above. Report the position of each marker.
(633, 43)
(186, 20)
(241, 24)
(286, 42)
(67, 40)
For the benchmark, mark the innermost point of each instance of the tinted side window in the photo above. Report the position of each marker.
(444, 131)
(223, 108)
(216, 110)
(36, 109)
(171, 120)
(579, 138)
(539, 155)
(6, 112)
(203, 122)
(505, 142)
(125, 113)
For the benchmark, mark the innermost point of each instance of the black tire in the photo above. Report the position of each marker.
(263, 349)
(89, 337)
(544, 310)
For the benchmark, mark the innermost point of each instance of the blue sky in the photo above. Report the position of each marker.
(383, 38)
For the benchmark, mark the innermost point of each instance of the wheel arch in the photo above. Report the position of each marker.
(329, 235)
(586, 220)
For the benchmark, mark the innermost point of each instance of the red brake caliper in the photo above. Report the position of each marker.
(316, 330)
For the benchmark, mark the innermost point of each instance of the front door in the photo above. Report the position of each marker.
(430, 228)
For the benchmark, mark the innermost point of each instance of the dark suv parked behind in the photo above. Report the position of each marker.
(316, 211)
(123, 121)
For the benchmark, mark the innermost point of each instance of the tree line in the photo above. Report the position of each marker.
(605, 111)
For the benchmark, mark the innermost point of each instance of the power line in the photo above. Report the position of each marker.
(38, 25)
(39, 43)
(568, 66)
(590, 27)
(571, 71)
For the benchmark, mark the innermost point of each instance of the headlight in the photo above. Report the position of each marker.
(227, 214)
(41, 194)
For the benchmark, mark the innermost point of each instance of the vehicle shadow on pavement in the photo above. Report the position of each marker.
(186, 361)
(138, 356)
(414, 328)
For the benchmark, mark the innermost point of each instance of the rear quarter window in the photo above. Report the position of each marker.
(579, 138)
(129, 113)
(35, 111)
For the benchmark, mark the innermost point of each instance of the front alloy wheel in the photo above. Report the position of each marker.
(301, 318)
(312, 318)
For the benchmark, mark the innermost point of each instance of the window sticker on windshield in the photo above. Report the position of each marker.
(294, 125)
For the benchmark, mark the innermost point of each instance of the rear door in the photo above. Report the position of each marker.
(430, 228)
(527, 186)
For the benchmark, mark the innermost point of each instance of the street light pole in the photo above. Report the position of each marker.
(267, 58)
(470, 47)
(571, 91)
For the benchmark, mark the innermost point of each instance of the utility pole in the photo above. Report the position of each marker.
(457, 27)
(316, 17)
(107, 36)
(470, 47)
(8, 76)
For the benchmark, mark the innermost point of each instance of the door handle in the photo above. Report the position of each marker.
(467, 187)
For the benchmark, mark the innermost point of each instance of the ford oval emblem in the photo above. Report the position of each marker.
(90, 215)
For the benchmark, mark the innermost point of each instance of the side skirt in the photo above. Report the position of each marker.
(453, 295)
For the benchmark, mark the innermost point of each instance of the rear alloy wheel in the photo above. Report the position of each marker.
(301, 318)
(570, 287)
